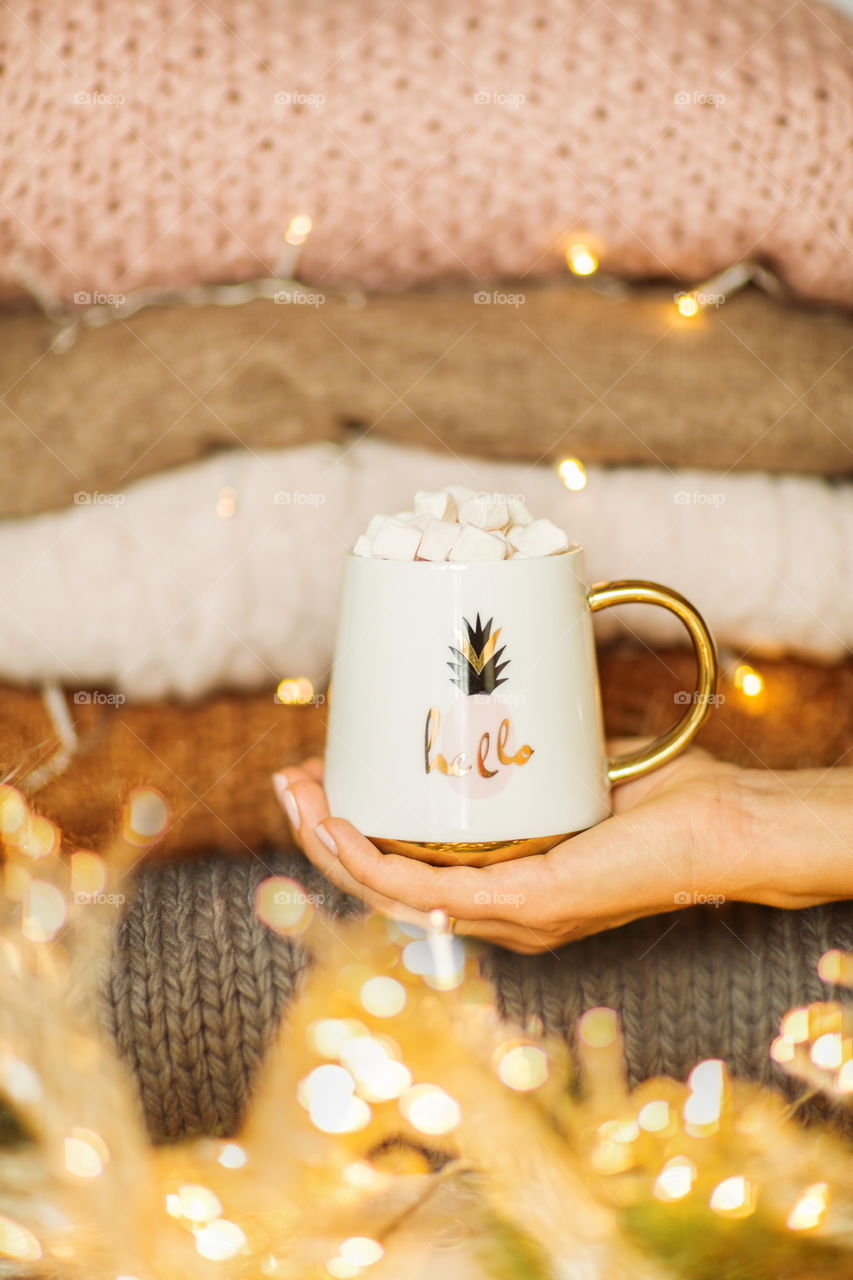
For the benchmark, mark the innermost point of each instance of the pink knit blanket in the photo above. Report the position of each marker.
(166, 144)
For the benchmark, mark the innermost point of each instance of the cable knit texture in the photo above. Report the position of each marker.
(177, 598)
(197, 985)
(173, 143)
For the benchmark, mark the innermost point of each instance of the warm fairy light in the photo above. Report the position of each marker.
(703, 1106)
(295, 691)
(329, 1035)
(361, 1251)
(795, 1026)
(82, 1158)
(836, 967)
(782, 1050)
(430, 1109)
(17, 1242)
(13, 811)
(328, 1092)
(675, 1180)
(439, 958)
(18, 1080)
(45, 910)
(655, 1116)
(828, 1051)
(572, 472)
(810, 1208)
(197, 1204)
(226, 502)
(844, 1079)
(88, 874)
(220, 1240)
(383, 1080)
(37, 837)
(146, 816)
(747, 679)
(598, 1028)
(581, 260)
(383, 997)
(299, 229)
(283, 905)
(363, 1176)
(687, 305)
(625, 1130)
(522, 1067)
(341, 1269)
(733, 1197)
(231, 1156)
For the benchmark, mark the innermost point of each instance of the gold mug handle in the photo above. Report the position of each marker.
(633, 764)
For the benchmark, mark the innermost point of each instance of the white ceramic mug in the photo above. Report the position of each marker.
(465, 718)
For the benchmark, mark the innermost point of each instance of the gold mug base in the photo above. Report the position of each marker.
(483, 854)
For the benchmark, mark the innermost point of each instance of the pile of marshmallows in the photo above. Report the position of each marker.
(461, 525)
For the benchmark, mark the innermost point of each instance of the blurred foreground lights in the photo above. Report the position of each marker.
(687, 305)
(361, 1251)
(522, 1066)
(13, 811)
(18, 1080)
(675, 1180)
(572, 472)
(328, 1094)
(226, 502)
(86, 1153)
(295, 691)
(283, 905)
(581, 260)
(795, 1025)
(194, 1203)
(747, 679)
(438, 959)
(329, 1035)
(146, 816)
(810, 1208)
(220, 1240)
(298, 229)
(231, 1156)
(655, 1116)
(828, 1051)
(44, 912)
(37, 837)
(429, 1109)
(88, 874)
(17, 1242)
(733, 1197)
(341, 1269)
(703, 1106)
(383, 997)
(598, 1028)
(836, 967)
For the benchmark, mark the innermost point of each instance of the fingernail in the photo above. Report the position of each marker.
(325, 837)
(291, 808)
(280, 784)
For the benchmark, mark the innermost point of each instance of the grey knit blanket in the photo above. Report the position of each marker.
(197, 985)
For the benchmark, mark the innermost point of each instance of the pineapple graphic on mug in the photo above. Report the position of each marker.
(470, 742)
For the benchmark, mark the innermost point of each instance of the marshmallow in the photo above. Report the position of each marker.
(373, 525)
(541, 538)
(475, 544)
(460, 494)
(518, 512)
(420, 521)
(363, 546)
(486, 511)
(396, 540)
(439, 538)
(439, 505)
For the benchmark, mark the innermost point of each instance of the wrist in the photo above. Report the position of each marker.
(787, 837)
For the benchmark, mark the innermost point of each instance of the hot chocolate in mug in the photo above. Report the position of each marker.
(465, 722)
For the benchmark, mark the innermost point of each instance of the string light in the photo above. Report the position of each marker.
(581, 260)
(295, 691)
(430, 1109)
(145, 817)
(810, 1208)
(299, 229)
(361, 1251)
(733, 1197)
(383, 997)
(522, 1067)
(226, 502)
(714, 292)
(687, 305)
(220, 1240)
(573, 474)
(232, 1156)
(747, 679)
(675, 1180)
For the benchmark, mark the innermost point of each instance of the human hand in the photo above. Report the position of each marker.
(696, 830)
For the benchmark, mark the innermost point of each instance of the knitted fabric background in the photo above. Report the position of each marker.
(196, 985)
(177, 600)
(174, 143)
